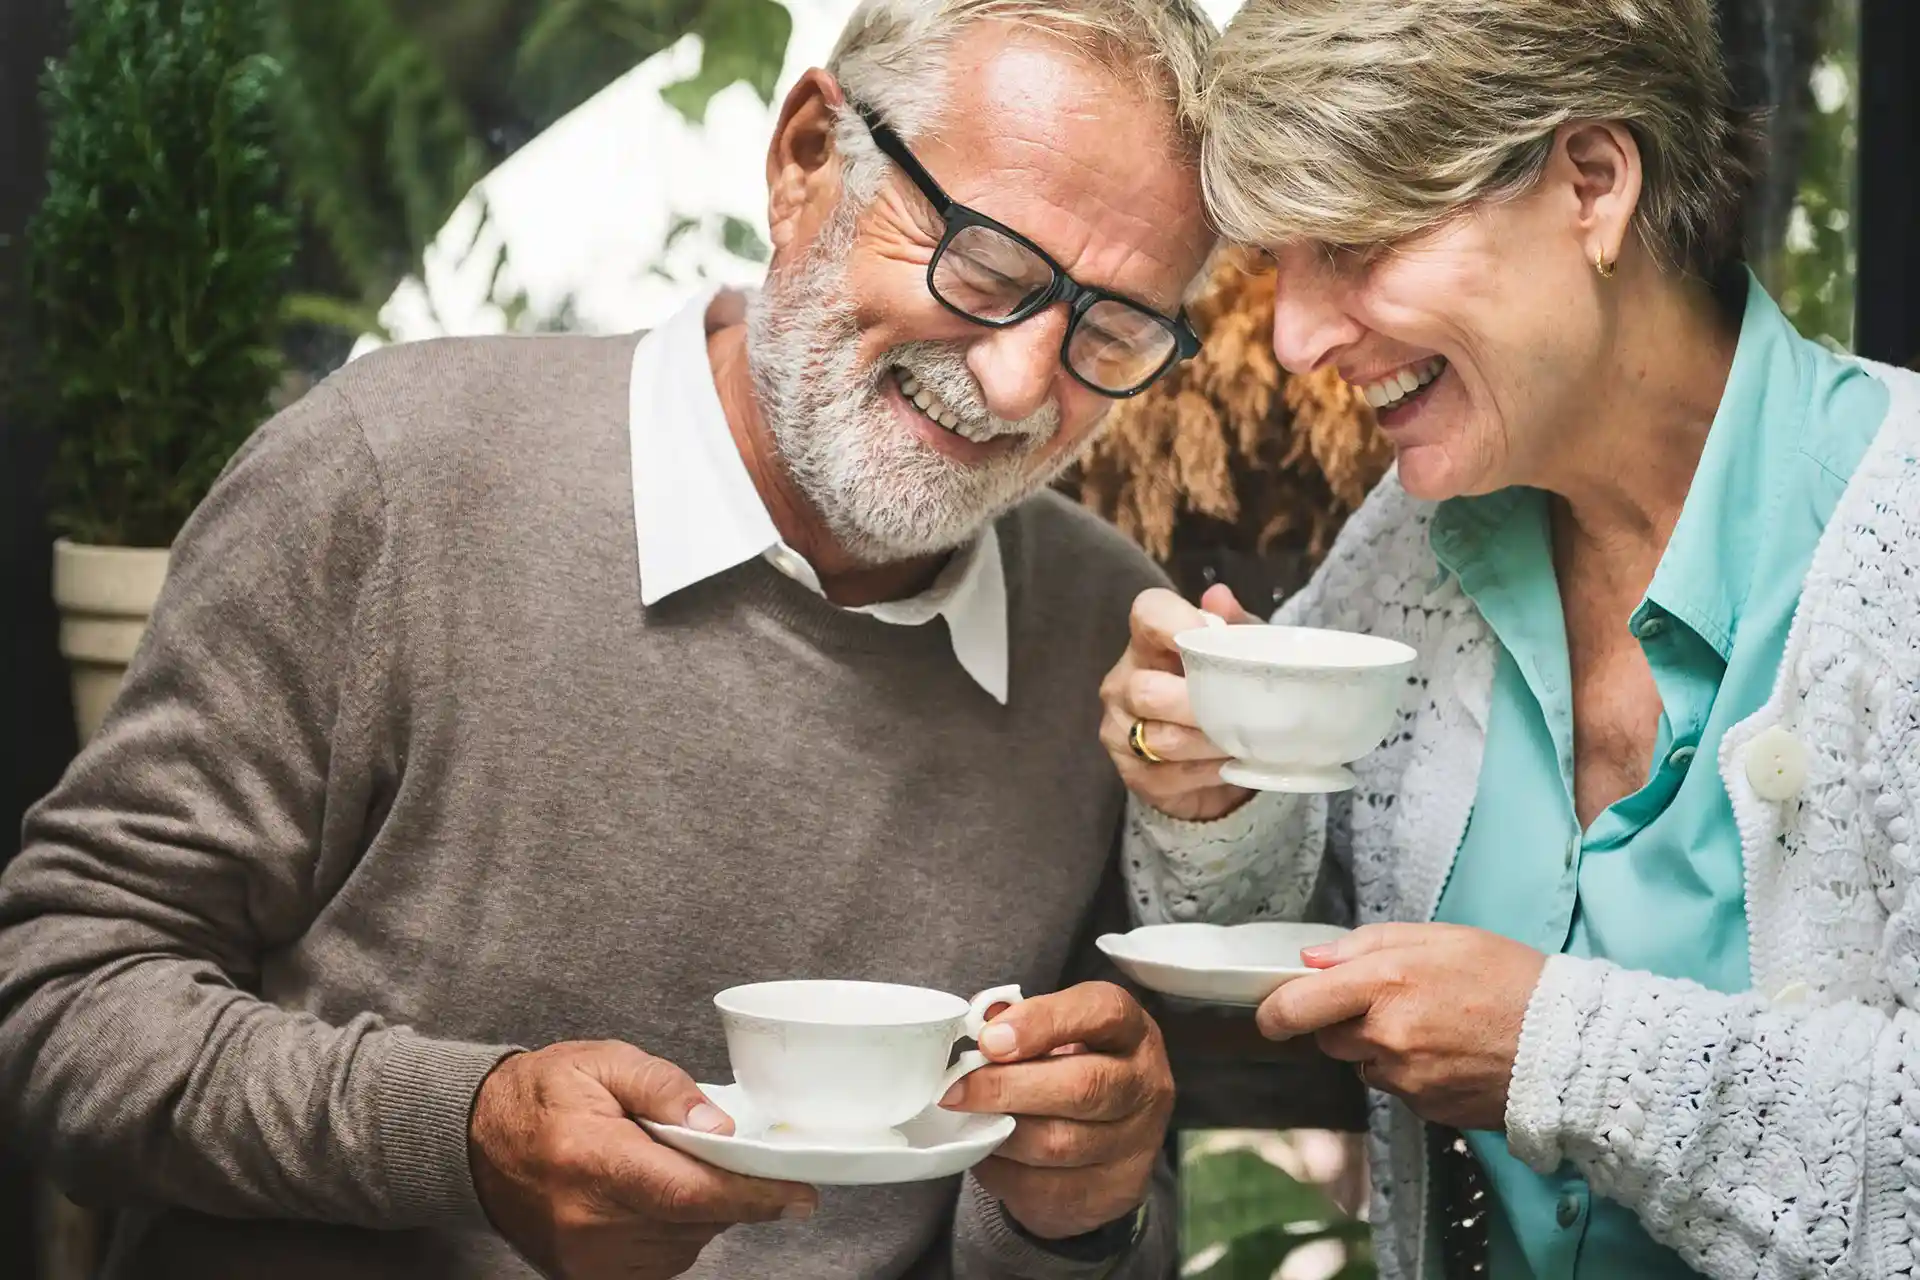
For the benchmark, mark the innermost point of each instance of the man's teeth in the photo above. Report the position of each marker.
(935, 408)
(1395, 387)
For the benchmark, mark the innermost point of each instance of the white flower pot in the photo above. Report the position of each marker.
(105, 595)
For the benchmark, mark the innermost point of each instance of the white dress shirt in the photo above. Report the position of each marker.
(697, 513)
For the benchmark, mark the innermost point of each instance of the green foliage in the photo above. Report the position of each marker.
(1242, 1217)
(573, 48)
(1812, 272)
(739, 40)
(386, 103)
(742, 241)
(735, 235)
(158, 259)
(381, 150)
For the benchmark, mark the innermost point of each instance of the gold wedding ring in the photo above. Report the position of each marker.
(1137, 743)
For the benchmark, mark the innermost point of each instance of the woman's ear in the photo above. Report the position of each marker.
(803, 168)
(1600, 163)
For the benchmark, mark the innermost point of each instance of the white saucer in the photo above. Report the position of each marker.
(1239, 964)
(934, 1144)
(1288, 779)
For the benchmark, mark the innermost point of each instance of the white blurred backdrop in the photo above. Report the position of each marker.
(584, 212)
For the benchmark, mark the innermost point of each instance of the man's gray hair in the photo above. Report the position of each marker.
(892, 58)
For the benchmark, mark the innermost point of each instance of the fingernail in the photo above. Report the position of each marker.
(998, 1040)
(951, 1096)
(799, 1211)
(1325, 951)
(707, 1118)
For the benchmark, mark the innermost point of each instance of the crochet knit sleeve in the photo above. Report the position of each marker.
(1260, 862)
(1754, 1140)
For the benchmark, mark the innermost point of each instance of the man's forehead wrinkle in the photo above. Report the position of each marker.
(1034, 168)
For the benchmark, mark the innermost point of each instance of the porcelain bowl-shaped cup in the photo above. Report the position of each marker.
(1294, 706)
(837, 1061)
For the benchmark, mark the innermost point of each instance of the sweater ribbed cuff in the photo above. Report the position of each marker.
(1547, 1067)
(984, 1237)
(424, 1098)
(1265, 811)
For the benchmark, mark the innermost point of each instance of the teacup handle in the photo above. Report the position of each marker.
(972, 1060)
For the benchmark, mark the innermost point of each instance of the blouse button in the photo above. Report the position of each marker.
(1776, 765)
(1567, 1212)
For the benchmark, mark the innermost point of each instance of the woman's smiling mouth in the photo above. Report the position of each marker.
(1401, 385)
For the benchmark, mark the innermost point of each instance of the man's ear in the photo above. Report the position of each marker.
(803, 165)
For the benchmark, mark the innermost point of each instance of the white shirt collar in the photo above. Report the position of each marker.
(697, 513)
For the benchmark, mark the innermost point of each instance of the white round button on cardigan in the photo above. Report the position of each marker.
(1776, 765)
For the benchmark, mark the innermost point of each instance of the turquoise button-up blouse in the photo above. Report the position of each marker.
(1656, 883)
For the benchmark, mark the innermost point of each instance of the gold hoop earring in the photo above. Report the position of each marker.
(1600, 264)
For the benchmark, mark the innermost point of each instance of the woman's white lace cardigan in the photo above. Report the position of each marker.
(1775, 1133)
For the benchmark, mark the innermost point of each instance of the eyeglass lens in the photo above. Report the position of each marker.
(989, 276)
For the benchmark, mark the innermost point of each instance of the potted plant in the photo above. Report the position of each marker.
(158, 259)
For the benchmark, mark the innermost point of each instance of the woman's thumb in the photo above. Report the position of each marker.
(1219, 601)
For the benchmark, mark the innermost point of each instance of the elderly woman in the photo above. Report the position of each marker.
(1648, 827)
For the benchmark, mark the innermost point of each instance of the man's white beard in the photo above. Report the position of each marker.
(884, 494)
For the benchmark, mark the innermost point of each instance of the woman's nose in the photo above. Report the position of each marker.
(1018, 367)
(1311, 326)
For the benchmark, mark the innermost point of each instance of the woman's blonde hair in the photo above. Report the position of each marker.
(1361, 122)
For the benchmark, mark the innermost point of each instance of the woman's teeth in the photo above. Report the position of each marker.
(935, 408)
(1395, 387)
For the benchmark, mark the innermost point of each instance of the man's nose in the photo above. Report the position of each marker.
(1310, 325)
(1018, 367)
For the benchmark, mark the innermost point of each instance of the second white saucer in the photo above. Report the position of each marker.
(1238, 964)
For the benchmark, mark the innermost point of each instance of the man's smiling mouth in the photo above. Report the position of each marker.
(935, 410)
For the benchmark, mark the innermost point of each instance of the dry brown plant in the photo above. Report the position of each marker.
(1231, 450)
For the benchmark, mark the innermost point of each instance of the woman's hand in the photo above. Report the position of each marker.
(1149, 686)
(1430, 1012)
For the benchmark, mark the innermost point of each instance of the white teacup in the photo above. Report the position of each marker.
(1294, 706)
(830, 1060)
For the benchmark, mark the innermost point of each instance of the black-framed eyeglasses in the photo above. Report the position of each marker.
(987, 272)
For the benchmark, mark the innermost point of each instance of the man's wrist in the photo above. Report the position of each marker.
(1108, 1240)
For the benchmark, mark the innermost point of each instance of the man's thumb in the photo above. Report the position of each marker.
(650, 1088)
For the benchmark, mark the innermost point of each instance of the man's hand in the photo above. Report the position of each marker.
(568, 1178)
(1085, 1072)
(1148, 686)
(1430, 1012)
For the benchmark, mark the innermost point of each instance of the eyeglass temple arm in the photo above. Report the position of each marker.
(1187, 342)
(895, 150)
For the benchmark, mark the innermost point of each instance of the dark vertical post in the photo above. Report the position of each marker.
(36, 727)
(1888, 297)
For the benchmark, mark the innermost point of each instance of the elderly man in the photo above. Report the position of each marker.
(510, 697)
